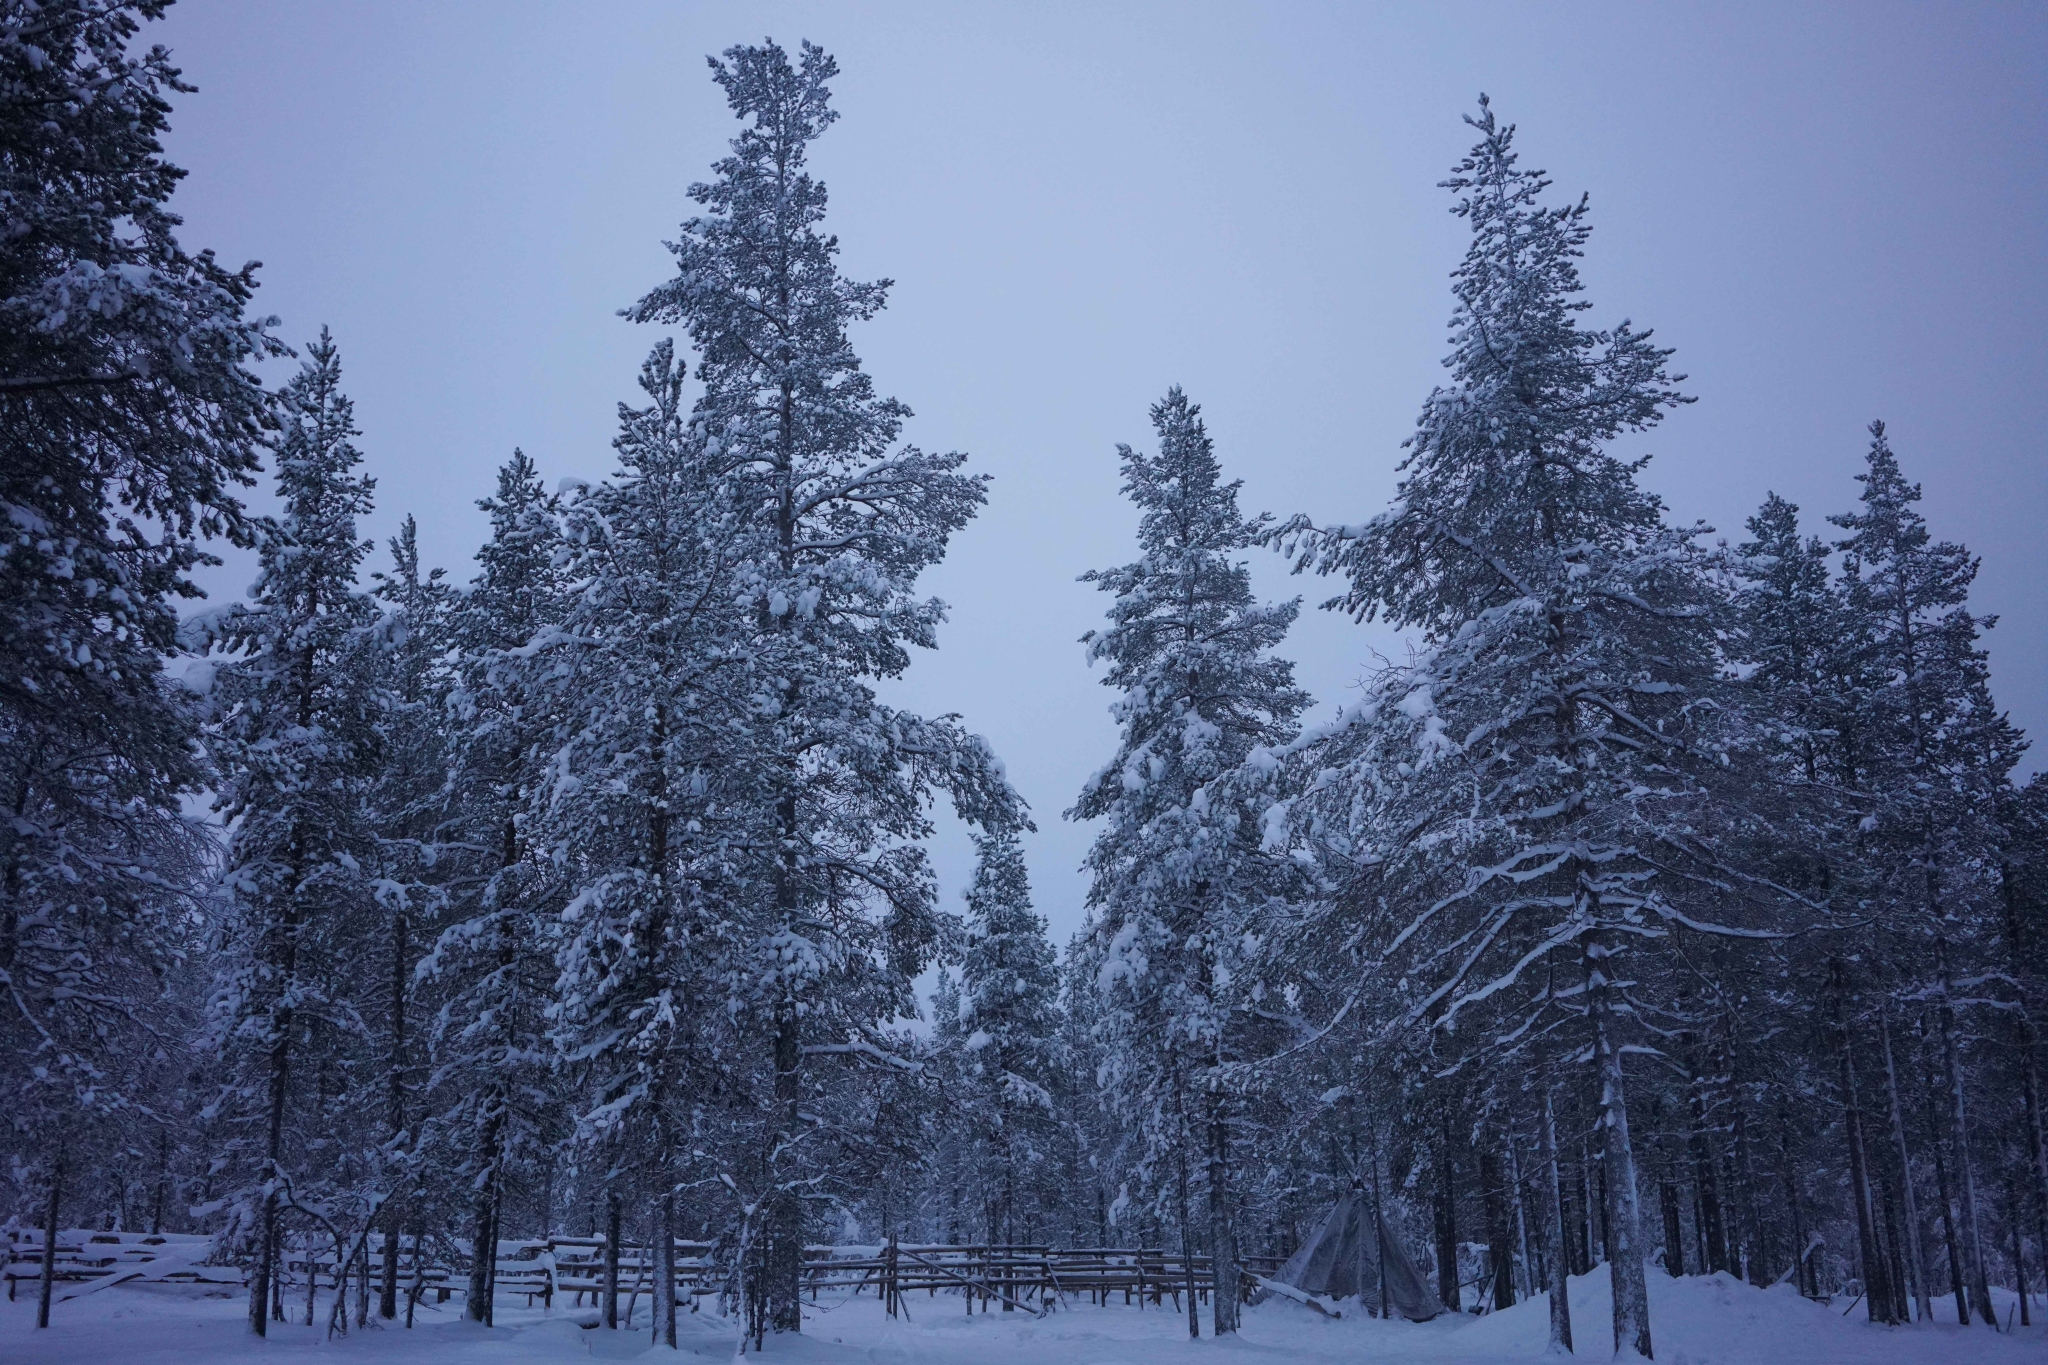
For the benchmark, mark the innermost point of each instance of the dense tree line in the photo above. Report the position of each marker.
(1671, 906)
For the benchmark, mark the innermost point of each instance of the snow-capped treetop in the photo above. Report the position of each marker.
(1935, 752)
(1187, 640)
(1009, 986)
(1507, 476)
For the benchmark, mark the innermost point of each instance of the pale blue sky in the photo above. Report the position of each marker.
(1833, 212)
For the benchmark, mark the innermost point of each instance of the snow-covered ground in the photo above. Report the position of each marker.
(1699, 1321)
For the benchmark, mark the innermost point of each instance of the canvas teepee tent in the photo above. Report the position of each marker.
(1352, 1254)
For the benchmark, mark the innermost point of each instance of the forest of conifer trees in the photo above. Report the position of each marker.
(1675, 904)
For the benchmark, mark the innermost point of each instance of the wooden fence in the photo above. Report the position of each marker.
(569, 1271)
(87, 1261)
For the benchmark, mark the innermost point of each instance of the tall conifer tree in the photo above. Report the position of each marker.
(1176, 873)
(1007, 1010)
(1500, 806)
(129, 421)
(1939, 758)
(490, 1088)
(296, 746)
(832, 529)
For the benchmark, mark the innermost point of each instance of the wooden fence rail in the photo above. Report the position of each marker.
(1028, 1277)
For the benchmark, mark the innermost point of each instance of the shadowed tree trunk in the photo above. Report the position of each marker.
(611, 1258)
(1447, 1224)
(49, 1277)
(1224, 1289)
(1916, 1259)
(1877, 1294)
(1560, 1268)
(1623, 1217)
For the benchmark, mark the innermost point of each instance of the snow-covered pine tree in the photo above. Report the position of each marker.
(407, 810)
(2023, 883)
(295, 744)
(492, 966)
(1091, 1141)
(1008, 1014)
(1493, 816)
(1809, 695)
(1794, 626)
(833, 530)
(128, 418)
(1176, 875)
(647, 800)
(1938, 760)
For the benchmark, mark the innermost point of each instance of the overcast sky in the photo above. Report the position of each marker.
(1834, 213)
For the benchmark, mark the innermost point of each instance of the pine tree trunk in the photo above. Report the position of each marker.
(1900, 1309)
(478, 1302)
(1877, 1295)
(785, 1227)
(387, 1294)
(1916, 1258)
(1447, 1290)
(49, 1277)
(1618, 1168)
(1499, 1249)
(1713, 1230)
(277, 1283)
(665, 1269)
(282, 949)
(611, 1259)
(266, 1276)
(2019, 1250)
(387, 1288)
(362, 1268)
(1379, 1231)
(491, 1257)
(1948, 1236)
(1582, 1209)
(1520, 1190)
(419, 1270)
(1674, 1229)
(1187, 1240)
(163, 1181)
(1974, 1276)
(1224, 1288)
(2037, 1147)
(1560, 1267)
(2029, 1047)
(1802, 1270)
(1743, 1174)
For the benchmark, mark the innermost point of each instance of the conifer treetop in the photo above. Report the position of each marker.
(1507, 478)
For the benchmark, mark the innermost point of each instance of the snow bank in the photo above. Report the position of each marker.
(1706, 1320)
(1718, 1320)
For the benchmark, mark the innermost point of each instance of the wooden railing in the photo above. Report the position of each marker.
(1028, 1277)
(86, 1260)
(570, 1270)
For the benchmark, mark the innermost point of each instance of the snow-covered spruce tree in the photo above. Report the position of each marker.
(127, 420)
(408, 807)
(1175, 876)
(491, 967)
(1937, 761)
(1088, 1122)
(646, 792)
(1008, 1014)
(1811, 689)
(1795, 630)
(295, 745)
(1494, 815)
(946, 1174)
(2023, 882)
(832, 531)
